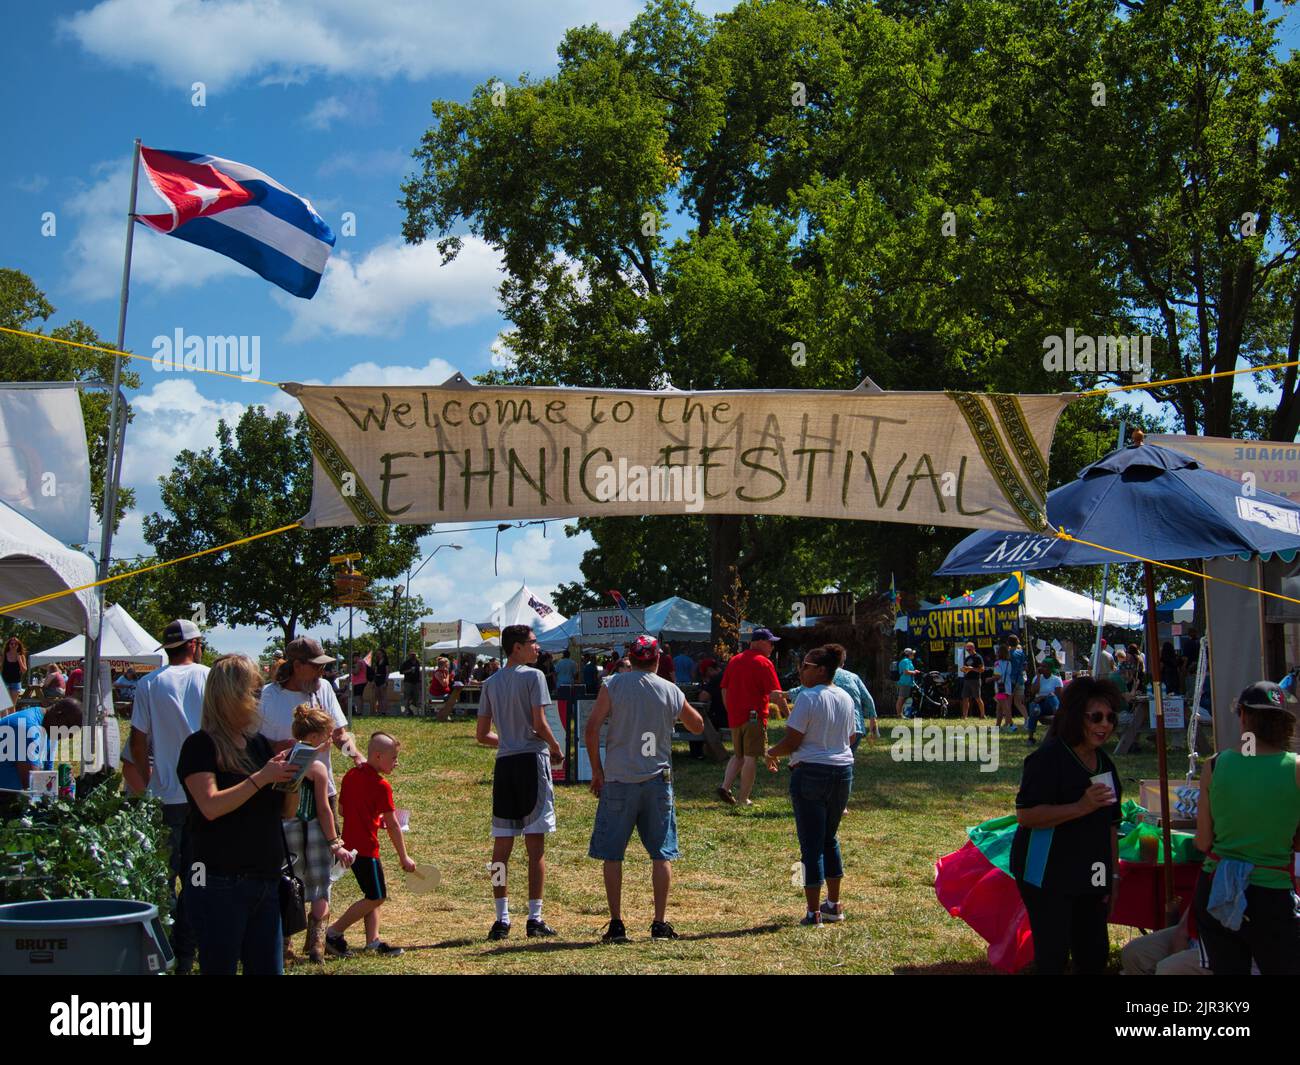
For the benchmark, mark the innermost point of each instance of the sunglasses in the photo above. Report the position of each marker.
(1097, 717)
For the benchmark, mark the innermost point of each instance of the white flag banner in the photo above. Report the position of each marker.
(411, 454)
(44, 465)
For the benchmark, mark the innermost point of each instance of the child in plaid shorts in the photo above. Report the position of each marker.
(313, 837)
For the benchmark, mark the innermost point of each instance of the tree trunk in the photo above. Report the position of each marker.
(724, 550)
(1286, 419)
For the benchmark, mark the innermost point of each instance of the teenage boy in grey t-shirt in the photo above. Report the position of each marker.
(635, 782)
(523, 797)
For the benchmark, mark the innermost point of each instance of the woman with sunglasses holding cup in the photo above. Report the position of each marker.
(1065, 854)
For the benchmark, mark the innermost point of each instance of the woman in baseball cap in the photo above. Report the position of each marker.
(1248, 824)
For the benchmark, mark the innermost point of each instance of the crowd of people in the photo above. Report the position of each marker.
(213, 745)
(1032, 692)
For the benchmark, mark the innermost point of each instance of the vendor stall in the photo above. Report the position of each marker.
(975, 883)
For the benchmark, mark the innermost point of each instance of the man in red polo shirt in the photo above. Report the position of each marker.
(749, 680)
(667, 669)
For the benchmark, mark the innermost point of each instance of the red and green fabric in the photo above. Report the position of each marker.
(975, 883)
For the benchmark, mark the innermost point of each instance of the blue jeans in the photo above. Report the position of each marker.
(819, 794)
(237, 919)
(176, 817)
(1039, 708)
(647, 807)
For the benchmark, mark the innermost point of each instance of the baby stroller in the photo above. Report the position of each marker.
(929, 696)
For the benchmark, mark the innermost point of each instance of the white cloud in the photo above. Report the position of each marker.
(380, 162)
(95, 255)
(372, 294)
(326, 112)
(433, 372)
(224, 42)
(35, 183)
(169, 419)
(526, 557)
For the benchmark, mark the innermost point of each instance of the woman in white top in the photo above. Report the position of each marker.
(817, 737)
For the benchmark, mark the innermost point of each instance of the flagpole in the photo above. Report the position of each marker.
(113, 461)
(1105, 581)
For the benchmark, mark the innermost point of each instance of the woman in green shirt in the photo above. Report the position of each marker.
(1248, 825)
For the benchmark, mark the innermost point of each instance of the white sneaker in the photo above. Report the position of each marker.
(832, 911)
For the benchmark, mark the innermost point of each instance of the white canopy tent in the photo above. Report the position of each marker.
(525, 607)
(124, 640)
(469, 641)
(1043, 602)
(33, 564)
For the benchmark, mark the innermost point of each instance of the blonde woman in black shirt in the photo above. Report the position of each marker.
(227, 769)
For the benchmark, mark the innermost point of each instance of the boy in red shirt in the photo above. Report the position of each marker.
(366, 801)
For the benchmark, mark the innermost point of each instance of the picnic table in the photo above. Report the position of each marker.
(1141, 723)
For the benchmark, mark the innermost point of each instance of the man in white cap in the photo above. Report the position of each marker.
(168, 707)
(749, 686)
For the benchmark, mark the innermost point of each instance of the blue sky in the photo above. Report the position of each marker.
(328, 97)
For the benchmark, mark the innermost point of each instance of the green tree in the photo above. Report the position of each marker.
(1160, 140)
(258, 477)
(919, 193)
(23, 306)
(579, 178)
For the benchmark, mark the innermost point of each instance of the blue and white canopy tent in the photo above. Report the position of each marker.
(669, 619)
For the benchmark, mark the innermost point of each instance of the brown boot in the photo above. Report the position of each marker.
(316, 939)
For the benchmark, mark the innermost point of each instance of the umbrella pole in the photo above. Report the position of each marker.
(1153, 633)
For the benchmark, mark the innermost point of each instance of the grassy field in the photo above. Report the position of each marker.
(732, 900)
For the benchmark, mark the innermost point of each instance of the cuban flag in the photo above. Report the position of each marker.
(241, 213)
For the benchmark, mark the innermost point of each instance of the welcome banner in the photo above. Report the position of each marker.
(412, 454)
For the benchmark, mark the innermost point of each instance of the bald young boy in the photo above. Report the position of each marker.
(366, 802)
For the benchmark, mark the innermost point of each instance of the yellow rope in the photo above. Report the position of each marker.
(256, 380)
(1185, 380)
(129, 355)
(274, 384)
(145, 569)
(1063, 535)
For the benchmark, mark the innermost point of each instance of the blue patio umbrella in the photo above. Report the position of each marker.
(1149, 501)
(1145, 500)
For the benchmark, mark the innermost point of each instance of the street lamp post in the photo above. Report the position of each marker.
(406, 589)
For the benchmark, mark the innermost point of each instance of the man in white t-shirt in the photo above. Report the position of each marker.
(1046, 697)
(300, 679)
(168, 707)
